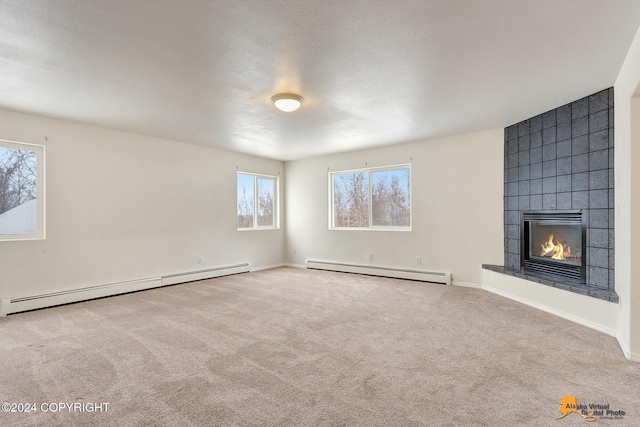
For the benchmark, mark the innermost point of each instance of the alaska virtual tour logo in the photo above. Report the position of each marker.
(590, 412)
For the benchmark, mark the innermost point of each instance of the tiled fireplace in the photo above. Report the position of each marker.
(559, 162)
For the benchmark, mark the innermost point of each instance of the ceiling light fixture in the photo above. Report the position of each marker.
(287, 102)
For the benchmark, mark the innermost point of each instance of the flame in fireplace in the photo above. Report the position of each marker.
(557, 249)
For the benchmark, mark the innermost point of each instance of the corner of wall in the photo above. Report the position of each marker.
(627, 136)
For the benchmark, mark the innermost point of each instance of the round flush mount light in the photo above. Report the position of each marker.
(287, 102)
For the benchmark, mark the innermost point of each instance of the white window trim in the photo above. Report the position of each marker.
(276, 207)
(40, 150)
(371, 227)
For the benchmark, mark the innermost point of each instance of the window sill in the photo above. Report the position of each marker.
(369, 229)
(258, 229)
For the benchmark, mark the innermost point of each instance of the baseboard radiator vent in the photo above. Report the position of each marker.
(209, 273)
(372, 270)
(17, 305)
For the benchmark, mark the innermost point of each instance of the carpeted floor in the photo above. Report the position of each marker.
(293, 347)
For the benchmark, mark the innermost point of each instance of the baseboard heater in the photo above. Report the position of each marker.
(209, 273)
(372, 270)
(17, 305)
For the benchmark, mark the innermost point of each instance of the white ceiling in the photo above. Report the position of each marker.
(372, 72)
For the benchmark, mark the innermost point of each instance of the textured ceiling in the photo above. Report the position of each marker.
(372, 72)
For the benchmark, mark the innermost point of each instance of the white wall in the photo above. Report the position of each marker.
(457, 185)
(122, 206)
(627, 155)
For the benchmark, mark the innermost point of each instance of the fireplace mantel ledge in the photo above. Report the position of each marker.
(591, 291)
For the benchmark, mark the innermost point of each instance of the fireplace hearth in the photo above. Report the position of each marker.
(554, 244)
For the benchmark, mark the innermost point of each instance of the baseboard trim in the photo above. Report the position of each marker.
(377, 270)
(466, 284)
(625, 349)
(294, 265)
(578, 320)
(266, 267)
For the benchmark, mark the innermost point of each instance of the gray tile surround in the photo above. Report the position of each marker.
(560, 160)
(582, 289)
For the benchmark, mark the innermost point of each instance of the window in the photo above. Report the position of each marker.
(21, 191)
(377, 198)
(257, 201)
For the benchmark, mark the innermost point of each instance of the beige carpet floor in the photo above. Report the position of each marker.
(293, 347)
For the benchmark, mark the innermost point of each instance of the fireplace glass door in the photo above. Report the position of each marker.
(560, 242)
(553, 244)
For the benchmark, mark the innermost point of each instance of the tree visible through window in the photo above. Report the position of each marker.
(373, 198)
(266, 201)
(391, 206)
(256, 201)
(246, 205)
(351, 199)
(21, 191)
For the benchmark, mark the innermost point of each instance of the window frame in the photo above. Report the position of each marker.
(370, 170)
(276, 202)
(40, 150)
